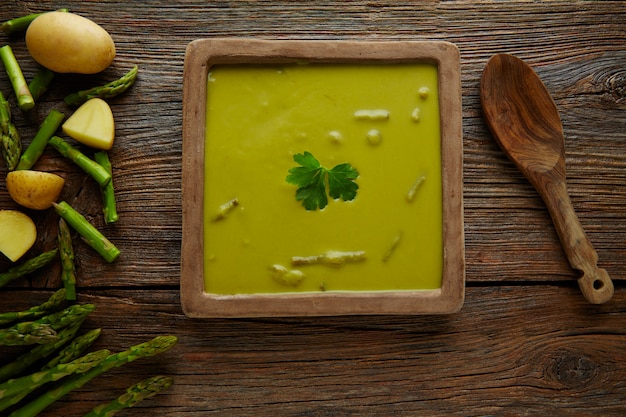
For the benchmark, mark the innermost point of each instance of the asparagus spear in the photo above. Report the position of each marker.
(88, 165)
(108, 192)
(104, 91)
(28, 266)
(27, 333)
(66, 252)
(26, 360)
(225, 209)
(5, 114)
(134, 394)
(20, 24)
(68, 316)
(88, 232)
(394, 245)
(24, 99)
(11, 148)
(10, 138)
(155, 346)
(282, 275)
(331, 258)
(410, 196)
(44, 329)
(50, 125)
(14, 390)
(40, 82)
(72, 351)
(54, 302)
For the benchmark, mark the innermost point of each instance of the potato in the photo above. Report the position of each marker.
(92, 124)
(34, 189)
(68, 43)
(18, 234)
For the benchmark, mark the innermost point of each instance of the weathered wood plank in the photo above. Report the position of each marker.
(510, 351)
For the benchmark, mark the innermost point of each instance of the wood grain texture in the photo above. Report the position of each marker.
(511, 351)
(525, 343)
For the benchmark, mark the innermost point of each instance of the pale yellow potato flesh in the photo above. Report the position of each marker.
(34, 189)
(18, 234)
(68, 43)
(92, 124)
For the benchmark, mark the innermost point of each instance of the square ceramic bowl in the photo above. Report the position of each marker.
(381, 232)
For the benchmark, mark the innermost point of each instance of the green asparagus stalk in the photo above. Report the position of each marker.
(25, 100)
(105, 91)
(49, 126)
(11, 148)
(28, 266)
(108, 192)
(72, 351)
(27, 333)
(44, 329)
(5, 114)
(22, 363)
(40, 82)
(55, 301)
(66, 252)
(92, 236)
(136, 393)
(14, 390)
(331, 257)
(153, 347)
(20, 24)
(9, 136)
(88, 165)
(68, 316)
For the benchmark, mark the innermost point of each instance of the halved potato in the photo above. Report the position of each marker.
(92, 124)
(34, 189)
(18, 234)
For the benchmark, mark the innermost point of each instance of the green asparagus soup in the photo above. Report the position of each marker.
(281, 139)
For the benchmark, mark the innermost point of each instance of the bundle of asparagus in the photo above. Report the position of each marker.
(57, 363)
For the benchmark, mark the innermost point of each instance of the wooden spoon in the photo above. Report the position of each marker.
(525, 123)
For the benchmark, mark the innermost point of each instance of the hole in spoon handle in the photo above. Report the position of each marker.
(596, 286)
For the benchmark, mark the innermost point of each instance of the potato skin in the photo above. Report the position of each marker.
(68, 43)
(34, 189)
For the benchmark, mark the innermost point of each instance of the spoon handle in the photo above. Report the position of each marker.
(594, 282)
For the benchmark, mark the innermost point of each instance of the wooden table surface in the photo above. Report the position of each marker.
(525, 342)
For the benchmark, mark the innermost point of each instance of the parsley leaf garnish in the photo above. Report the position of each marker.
(312, 178)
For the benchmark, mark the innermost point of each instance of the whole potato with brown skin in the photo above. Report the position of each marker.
(68, 43)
